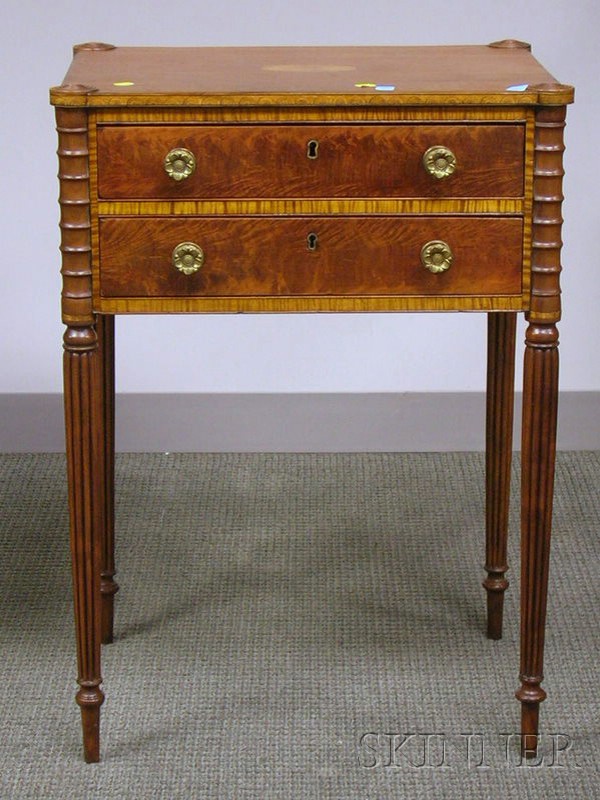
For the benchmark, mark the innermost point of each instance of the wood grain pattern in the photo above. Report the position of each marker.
(304, 304)
(271, 161)
(499, 428)
(540, 404)
(532, 97)
(245, 115)
(309, 207)
(270, 257)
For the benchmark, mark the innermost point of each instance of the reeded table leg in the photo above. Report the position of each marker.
(540, 399)
(499, 427)
(105, 327)
(540, 402)
(84, 445)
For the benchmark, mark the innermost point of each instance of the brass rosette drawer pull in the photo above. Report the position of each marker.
(179, 163)
(439, 161)
(436, 256)
(188, 257)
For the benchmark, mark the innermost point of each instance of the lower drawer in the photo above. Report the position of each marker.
(296, 256)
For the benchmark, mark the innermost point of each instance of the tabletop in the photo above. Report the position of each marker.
(504, 75)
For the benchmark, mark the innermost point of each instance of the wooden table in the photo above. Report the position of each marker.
(337, 179)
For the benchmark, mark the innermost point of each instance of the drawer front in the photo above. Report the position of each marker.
(264, 161)
(296, 256)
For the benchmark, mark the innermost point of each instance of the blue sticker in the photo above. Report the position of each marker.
(382, 87)
(520, 87)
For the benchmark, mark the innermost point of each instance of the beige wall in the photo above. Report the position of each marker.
(382, 353)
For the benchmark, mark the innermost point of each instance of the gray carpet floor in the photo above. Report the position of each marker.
(285, 622)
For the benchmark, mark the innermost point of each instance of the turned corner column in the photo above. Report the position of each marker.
(540, 402)
(83, 404)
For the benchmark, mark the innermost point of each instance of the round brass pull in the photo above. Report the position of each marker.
(188, 257)
(179, 163)
(436, 256)
(439, 161)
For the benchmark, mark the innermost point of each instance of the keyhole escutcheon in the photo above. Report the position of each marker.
(312, 149)
(312, 240)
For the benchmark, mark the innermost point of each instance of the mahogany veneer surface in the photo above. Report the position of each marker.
(271, 161)
(269, 256)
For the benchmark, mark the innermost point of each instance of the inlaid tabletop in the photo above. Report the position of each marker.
(363, 75)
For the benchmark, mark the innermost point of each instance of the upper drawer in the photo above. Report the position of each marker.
(275, 161)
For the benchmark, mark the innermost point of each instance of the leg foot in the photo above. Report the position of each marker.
(495, 607)
(531, 695)
(89, 699)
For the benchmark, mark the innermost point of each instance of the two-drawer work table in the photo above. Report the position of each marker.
(341, 179)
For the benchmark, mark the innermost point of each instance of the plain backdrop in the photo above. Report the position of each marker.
(291, 353)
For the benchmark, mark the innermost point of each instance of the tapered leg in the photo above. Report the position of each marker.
(84, 447)
(540, 402)
(105, 327)
(499, 427)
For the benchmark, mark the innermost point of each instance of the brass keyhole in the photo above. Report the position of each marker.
(312, 241)
(312, 149)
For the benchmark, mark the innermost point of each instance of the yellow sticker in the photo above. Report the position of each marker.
(123, 83)
(365, 85)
